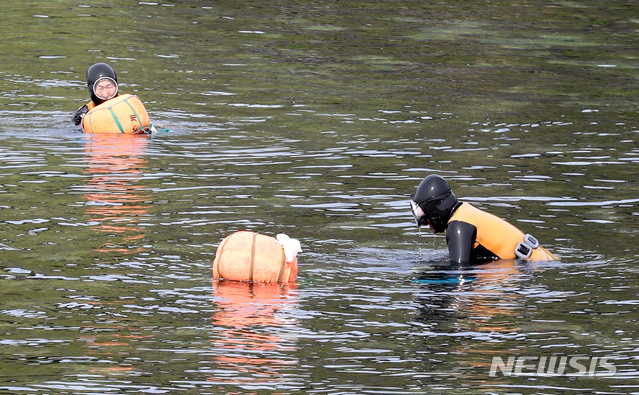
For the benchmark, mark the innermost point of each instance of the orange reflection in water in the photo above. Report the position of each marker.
(493, 307)
(482, 293)
(250, 338)
(489, 299)
(486, 303)
(116, 199)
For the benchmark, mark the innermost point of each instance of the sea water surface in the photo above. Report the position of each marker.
(318, 120)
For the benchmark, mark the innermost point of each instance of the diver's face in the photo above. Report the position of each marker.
(420, 217)
(105, 89)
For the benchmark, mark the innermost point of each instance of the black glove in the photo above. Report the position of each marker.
(77, 117)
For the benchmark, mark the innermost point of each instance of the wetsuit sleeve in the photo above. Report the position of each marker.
(77, 117)
(460, 237)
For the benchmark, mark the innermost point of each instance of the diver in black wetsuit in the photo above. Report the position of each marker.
(103, 85)
(472, 235)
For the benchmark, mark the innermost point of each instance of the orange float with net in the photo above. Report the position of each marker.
(256, 258)
(123, 114)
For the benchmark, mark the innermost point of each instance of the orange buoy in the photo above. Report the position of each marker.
(253, 257)
(123, 114)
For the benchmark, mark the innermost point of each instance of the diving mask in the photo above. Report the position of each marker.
(105, 88)
(418, 214)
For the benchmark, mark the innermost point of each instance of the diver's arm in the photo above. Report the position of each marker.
(460, 237)
(79, 114)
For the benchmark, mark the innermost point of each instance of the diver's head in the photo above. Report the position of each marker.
(102, 83)
(433, 203)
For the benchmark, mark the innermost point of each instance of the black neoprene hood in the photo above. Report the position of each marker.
(95, 72)
(437, 200)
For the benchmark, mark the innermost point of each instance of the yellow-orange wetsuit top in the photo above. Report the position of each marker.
(494, 237)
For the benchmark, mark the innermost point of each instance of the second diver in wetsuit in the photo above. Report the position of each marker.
(472, 235)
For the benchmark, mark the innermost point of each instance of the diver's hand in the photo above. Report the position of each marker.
(77, 117)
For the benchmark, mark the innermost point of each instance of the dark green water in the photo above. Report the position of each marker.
(318, 120)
